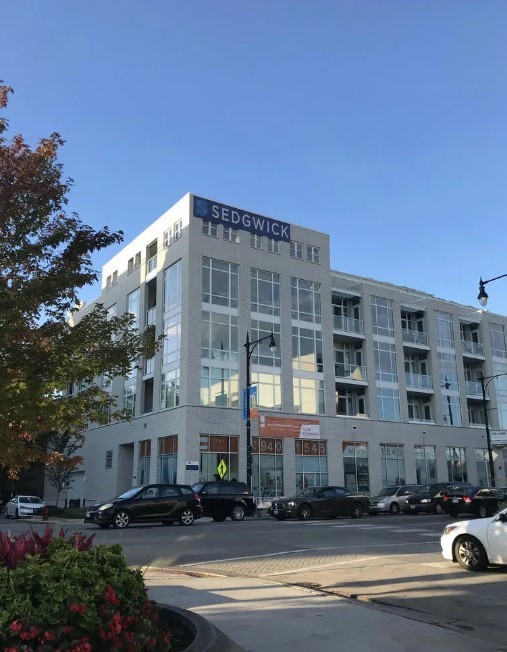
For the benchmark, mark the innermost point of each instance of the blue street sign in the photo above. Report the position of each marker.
(253, 399)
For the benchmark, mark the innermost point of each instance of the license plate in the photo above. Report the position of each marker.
(412, 506)
(455, 500)
(275, 511)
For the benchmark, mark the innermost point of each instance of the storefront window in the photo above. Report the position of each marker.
(355, 467)
(267, 467)
(425, 464)
(167, 459)
(481, 460)
(143, 467)
(214, 449)
(311, 463)
(393, 465)
(456, 464)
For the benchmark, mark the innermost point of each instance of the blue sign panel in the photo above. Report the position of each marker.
(253, 399)
(238, 219)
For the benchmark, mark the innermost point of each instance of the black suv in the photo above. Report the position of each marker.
(165, 503)
(222, 499)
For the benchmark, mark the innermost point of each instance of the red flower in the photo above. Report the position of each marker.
(110, 595)
(66, 629)
(15, 626)
(78, 608)
(49, 636)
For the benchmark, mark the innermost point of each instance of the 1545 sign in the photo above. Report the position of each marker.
(308, 447)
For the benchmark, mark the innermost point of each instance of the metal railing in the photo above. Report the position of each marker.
(348, 324)
(474, 348)
(419, 381)
(473, 388)
(414, 337)
(151, 264)
(352, 371)
(151, 316)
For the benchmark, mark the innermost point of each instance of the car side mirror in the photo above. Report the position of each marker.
(502, 518)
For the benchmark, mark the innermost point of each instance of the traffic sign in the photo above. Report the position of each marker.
(222, 468)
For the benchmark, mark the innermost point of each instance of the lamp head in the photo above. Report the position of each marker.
(482, 296)
(272, 343)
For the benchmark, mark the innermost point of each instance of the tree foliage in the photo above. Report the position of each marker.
(45, 259)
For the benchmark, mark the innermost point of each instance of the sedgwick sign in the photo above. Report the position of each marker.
(238, 219)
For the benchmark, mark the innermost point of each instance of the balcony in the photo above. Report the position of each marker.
(348, 327)
(419, 382)
(149, 366)
(472, 348)
(151, 265)
(416, 338)
(473, 388)
(352, 372)
(151, 316)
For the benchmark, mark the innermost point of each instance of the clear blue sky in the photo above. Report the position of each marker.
(383, 123)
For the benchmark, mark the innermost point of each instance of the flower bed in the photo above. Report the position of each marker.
(62, 593)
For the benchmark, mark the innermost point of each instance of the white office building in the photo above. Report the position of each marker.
(371, 384)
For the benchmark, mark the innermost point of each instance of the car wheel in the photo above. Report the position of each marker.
(304, 513)
(238, 513)
(104, 525)
(121, 519)
(470, 554)
(357, 511)
(483, 512)
(394, 509)
(438, 509)
(219, 519)
(187, 517)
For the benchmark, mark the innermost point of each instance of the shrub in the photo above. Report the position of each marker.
(59, 593)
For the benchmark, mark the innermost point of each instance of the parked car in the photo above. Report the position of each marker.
(428, 498)
(479, 501)
(477, 544)
(24, 506)
(320, 502)
(226, 498)
(165, 503)
(392, 499)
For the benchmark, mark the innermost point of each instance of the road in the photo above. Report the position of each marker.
(394, 561)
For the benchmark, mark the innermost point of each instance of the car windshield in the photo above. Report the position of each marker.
(31, 499)
(311, 491)
(426, 488)
(388, 491)
(197, 486)
(129, 493)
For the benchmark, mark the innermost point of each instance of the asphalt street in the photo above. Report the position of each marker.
(392, 561)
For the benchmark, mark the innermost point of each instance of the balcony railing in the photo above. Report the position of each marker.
(151, 316)
(473, 388)
(414, 337)
(151, 264)
(351, 371)
(419, 381)
(149, 366)
(348, 324)
(474, 348)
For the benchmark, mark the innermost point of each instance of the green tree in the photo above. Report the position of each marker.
(45, 259)
(62, 449)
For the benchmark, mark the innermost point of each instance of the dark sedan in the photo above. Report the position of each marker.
(163, 503)
(480, 501)
(428, 498)
(321, 502)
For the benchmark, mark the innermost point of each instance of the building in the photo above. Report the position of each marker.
(371, 384)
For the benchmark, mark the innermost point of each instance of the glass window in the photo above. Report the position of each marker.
(267, 467)
(355, 467)
(133, 306)
(219, 282)
(425, 464)
(296, 250)
(419, 409)
(393, 465)
(445, 329)
(312, 254)
(456, 464)
(382, 316)
(255, 241)
(269, 392)
(209, 228)
(170, 389)
(265, 292)
(230, 234)
(172, 287)
(482, 462)
(143, 466)
(311, 463)
(388, 404)
(273, 246)
(219, 387)
(214, 449)
(305, 296)
(308, 395)
(385, 361)
(497, 339)
(168, 459)
(451, 409)
(129, 400)
(172, 339)
(307, 349)
(448, 370)
(219, 336)
(262, 354)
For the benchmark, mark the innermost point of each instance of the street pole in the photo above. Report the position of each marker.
(488, 436)
(249, 349)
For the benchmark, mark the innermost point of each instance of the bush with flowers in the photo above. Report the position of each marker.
(62, 593)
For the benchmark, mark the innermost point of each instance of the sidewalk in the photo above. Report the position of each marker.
(264, 616)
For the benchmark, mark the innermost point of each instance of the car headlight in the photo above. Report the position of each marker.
(381, 504)
(426, 500)
(291, 503)
(106, 506)
(449, 528)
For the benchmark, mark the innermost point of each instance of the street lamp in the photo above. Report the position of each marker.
(250, 348)
(482, 296)
(484, 384)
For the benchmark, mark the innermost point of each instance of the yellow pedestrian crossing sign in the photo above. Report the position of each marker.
(222, 469)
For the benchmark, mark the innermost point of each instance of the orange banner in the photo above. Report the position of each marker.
(287, 427)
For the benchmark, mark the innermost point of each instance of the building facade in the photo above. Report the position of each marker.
(371, 384)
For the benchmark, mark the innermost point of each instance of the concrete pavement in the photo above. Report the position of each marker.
(266, 616)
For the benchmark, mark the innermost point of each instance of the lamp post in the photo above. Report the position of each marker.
(482, 296)
(249, 349)
(484, 384)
